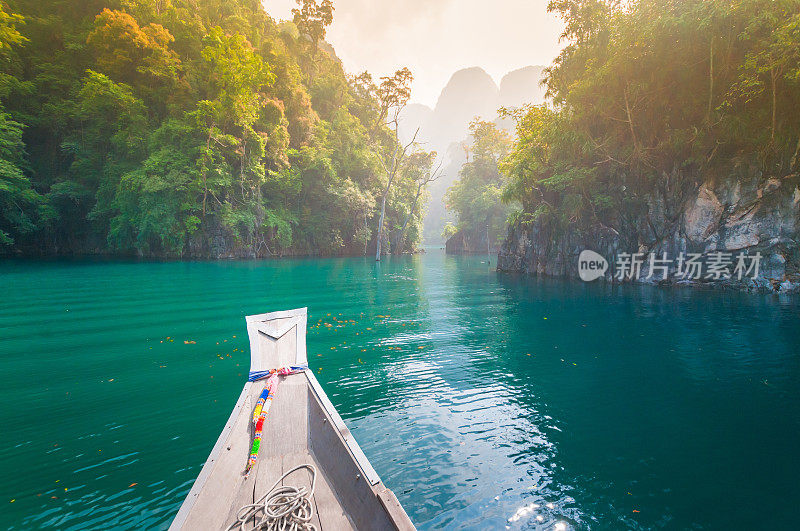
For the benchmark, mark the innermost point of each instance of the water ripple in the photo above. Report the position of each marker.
(483, 401)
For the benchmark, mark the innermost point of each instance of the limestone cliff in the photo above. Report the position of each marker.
(743, 213)
(465, 242)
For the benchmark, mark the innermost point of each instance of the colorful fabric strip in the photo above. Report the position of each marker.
(262, 398)
(260, 375)
(263, 405)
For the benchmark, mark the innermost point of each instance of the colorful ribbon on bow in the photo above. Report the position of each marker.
(263, 404)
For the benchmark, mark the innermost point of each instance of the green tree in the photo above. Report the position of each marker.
(421, 170)
(655, 96)
(312, 19)
(108, 139)
(125, 50)
(238, 78)
(157, 203)
(476, 197)
(771, 61)
(392, 94)
(22, 209)
(189, 127)
(9, 34)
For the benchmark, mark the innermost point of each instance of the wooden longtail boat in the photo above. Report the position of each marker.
(302, 427)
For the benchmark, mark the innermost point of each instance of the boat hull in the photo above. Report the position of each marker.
(302, 427)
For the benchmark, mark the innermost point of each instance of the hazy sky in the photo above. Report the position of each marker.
(434, 38)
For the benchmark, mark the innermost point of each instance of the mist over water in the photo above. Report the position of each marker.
(483, 400)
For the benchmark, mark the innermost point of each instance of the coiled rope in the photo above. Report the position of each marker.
(284, 508)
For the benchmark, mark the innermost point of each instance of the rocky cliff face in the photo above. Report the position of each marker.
(745, 214)
(522, 86)
(469, 93)
(464, 242)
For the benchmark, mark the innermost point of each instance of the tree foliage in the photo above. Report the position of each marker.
(22, 209)
(312, 19)
(657, 95)
(391, 95)
(187, 127)
(476, 197)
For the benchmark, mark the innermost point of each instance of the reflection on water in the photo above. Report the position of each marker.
(482, 400)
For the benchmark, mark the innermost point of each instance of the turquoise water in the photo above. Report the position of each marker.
(478, 397)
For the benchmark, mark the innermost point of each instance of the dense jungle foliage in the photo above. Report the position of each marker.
(657, 96)
(476, 196)
(190, 128)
